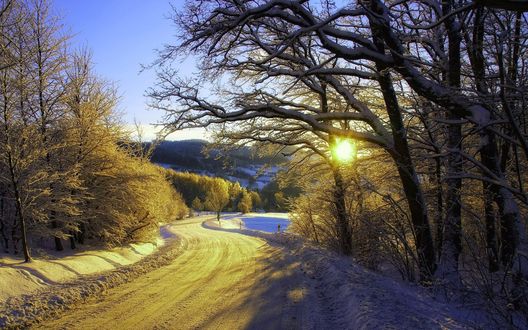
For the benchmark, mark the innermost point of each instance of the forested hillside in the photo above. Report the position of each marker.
(205, 193)
(247, 165)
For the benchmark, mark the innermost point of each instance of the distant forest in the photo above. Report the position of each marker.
(197, 156)
(193, 154)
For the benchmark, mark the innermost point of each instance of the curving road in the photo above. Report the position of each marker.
(222, 280)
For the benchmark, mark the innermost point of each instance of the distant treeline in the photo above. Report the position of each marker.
(205, 193)
(63, 174)
(193, 155)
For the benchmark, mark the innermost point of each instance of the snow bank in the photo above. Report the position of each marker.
(48, 302)
(17, 277)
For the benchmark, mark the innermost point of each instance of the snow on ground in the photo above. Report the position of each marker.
(49, 301)
(356, 298)
(18, 278)
(267, 222)
(328, 291)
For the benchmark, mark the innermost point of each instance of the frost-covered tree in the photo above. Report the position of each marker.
(197, 204)
(67, 168)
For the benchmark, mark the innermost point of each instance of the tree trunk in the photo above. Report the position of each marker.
(417, 207)
(14, 237)
(3, 225)
(513, 231)
(19, 211)
(439, 206)
(58, 241)
(342, 225)
(491, 232)
(72, 240)
(401, 155)
(451, 245)
(82, 232)
(25, 247)
(14, 182)
(410, 183)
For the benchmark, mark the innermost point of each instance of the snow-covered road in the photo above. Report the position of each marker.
(232, 278)
(221, 280)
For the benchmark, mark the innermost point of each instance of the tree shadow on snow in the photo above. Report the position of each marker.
(278, 295)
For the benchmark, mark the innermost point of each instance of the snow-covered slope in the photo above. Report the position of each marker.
(356, 298)
(17, 277)
(242, 165)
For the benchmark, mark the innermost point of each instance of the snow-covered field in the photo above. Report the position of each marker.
(267, 222)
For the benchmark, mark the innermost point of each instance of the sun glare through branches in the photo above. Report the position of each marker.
(344, 151)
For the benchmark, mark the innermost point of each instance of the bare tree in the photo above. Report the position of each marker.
(266, 50)
(389, 48)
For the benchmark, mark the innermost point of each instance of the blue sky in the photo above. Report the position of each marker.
(122, 35)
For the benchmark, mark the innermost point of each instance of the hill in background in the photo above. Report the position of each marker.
(242, 165)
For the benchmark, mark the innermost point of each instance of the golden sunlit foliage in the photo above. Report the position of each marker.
(213, 194)
(374, 207)
(67, 172)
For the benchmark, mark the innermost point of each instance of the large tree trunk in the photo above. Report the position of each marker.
(480, 114)
(513, 230)
(19, 210)
(410, 182)
(451, 245)
(401, 155)
(417, 207)
(14, 182)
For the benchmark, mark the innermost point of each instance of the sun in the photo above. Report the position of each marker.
(344, 150)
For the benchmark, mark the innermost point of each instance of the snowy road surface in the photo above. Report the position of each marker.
(234, 279)
(221, 280)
